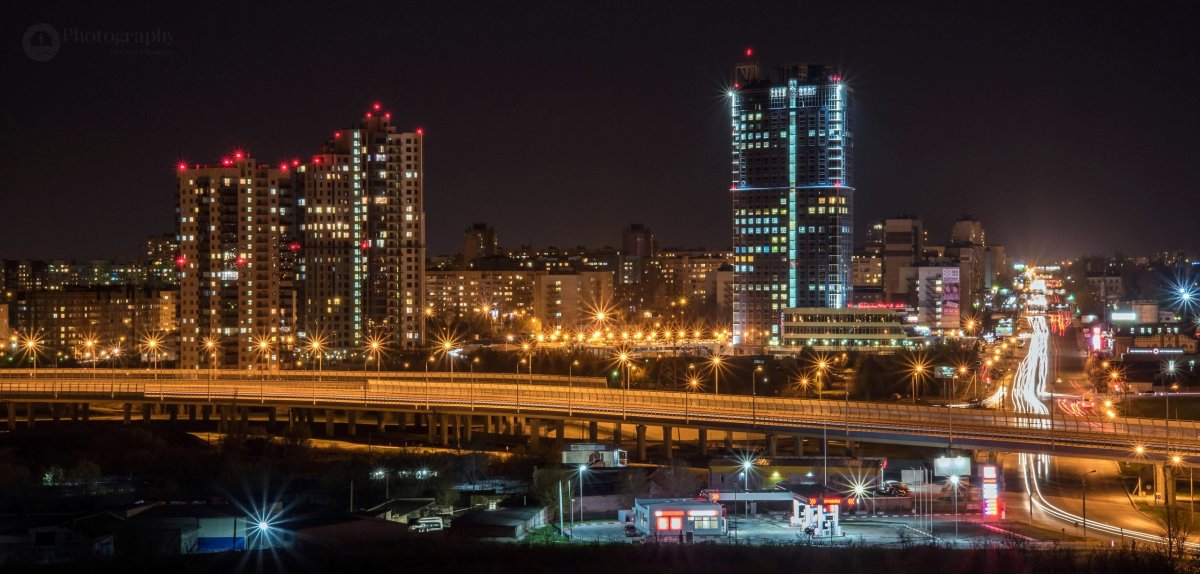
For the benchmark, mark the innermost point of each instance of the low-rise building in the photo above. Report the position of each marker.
(501, 524)
(683, 518)
(867, 327)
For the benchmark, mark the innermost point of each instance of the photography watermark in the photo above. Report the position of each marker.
(42, 42)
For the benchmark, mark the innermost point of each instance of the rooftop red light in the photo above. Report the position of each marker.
(749, 52)
(375, 106)
(420, 131)
(237, 155)
(182, 166)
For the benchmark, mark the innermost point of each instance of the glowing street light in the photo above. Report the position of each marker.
(716, 369)
(91, 343)
(692, 384)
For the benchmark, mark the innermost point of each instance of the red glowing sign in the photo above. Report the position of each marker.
(882, 305)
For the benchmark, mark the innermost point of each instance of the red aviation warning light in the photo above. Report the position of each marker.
(420, 131)
(749, 52)
(182, 166)
(181, 261)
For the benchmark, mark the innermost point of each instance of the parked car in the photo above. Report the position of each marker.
(631, 531)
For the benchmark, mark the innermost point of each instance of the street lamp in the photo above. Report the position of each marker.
(1084, 497)
(90, 344)
(32, 345)
(918, 371)
(210, 347)
(754, 395)
(623, 360)
(264, 351)
(582, 469)
(693, 383)
(954, 480)
(570, 386)
(375, 346)
(716, 367)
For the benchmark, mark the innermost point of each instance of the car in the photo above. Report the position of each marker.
(631, 531)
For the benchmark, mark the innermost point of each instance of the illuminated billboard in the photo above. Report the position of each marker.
(951, 466)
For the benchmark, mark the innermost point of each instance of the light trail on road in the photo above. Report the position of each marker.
(1029, 388)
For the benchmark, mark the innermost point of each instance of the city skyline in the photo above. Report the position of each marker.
(923, 158)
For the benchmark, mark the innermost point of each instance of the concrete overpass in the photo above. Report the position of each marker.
(461, 403)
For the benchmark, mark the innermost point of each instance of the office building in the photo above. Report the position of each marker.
(363, 223)
(234, 220)
(903, 246)
(792, 158)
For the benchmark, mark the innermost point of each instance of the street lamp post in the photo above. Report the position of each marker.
(582, 468)
(954, 479)
(570, 386)
(518, 381)
(754, 396)
(716, 363)
(692, 384)
(1083, 488)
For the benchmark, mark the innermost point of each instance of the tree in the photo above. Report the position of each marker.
(675, 481)
(635, 484)
(85, 474)
(1178, 524)
(545, 486)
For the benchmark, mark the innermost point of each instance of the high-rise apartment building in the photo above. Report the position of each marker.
(363, 223)
(479, 241)
(793, 195)
(234, 221)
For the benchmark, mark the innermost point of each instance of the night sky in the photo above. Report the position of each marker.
(1067, 129)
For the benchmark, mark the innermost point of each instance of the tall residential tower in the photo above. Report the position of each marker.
(235, 229)
(363, 222)
(793, 195)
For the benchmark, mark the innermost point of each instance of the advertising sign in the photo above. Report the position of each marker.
(952, 466)
(950, 296)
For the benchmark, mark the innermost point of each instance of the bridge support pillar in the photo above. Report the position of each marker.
(797, 445)
(641, 442)
(445, 429)
(668, 441)
(351, 422)
(702, 440)
(560, 434)
(429, 428)
(381, 421)
(1164, 485)
(85, 411)
(147, 410)
(272, 416)
(616, 436)
(174, 411)
(729, 441)
(12, 415)
(205, 412)
(30, 414)
(469, 427)
(244, 416)
(456, 429)
(535, 432)
(191, 412)
(55, 414)
(73, 411)
(772, 445)
(222, 419)
(126, 413)
(593, 431)
(329, 422)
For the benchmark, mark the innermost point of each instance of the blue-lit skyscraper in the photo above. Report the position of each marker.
(793, 195)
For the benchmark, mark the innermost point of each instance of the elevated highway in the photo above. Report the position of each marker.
(556, 398)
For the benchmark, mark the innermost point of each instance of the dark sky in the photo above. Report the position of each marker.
(1067, 128)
